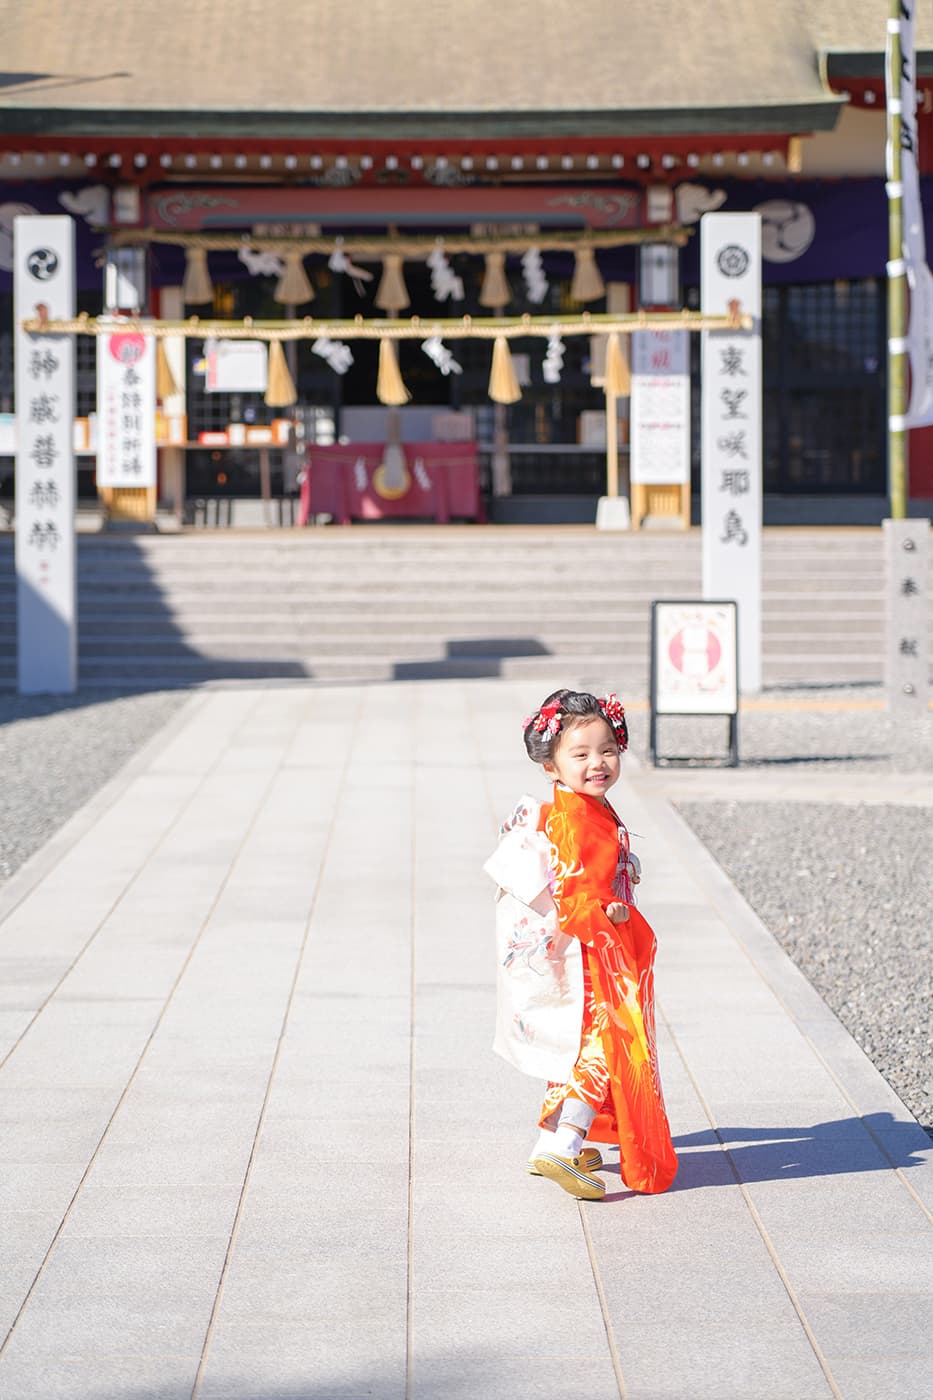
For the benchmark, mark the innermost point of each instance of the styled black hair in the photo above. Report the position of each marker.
(574, 706)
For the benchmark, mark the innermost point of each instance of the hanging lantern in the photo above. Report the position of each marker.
(495, 291)
(392, 294)
(280, 389)
(618, 374)
(166, 385)
(293, 288)
(503, 381)
(390, 387)
(587, 284)
(197, 286)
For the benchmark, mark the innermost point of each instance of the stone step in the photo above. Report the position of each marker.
(407, 541)
(480, 544)
(298, 649)
(776, 648)
(577, 670)
(378, 620)
(359, 590)
(328, 612)
(367, 604)
(818, 636)
(490, 581)
(283, 629)
(125, 614)
(631, 681)
(775, 575)
(405, 537)
(469, 574)
(430, 608)
(841, 574)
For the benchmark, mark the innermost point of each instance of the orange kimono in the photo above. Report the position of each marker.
(616, 1072)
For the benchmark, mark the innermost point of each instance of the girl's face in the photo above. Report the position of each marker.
(586, 758)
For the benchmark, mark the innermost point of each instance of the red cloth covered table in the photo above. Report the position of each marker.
(345, 482)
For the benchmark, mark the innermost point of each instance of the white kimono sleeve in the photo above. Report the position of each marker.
(539, 969)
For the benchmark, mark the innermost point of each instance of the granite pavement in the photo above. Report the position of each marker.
(254, 1144)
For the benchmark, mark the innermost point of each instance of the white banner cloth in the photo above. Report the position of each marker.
(126, 405)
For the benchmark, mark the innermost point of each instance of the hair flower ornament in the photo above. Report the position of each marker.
(568, 708)
(614, 711)
(546, 721)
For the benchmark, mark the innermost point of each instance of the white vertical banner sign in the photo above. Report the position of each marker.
(46, 584)
(660, 407)
(730, 270)
(126, 406)
(901, 91)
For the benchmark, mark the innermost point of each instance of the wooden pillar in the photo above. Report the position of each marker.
(619, 301)
(612, 444)
(172, 458)
(265, 486)
(501, 467)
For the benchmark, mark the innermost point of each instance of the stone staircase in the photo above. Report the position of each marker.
(376, 603)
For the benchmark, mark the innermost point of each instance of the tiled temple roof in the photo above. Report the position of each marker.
(391, 67)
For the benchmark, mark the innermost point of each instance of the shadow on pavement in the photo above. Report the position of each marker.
(139, 628)
(460, 1375)
(470, 657)
(846, 1146)
(156, 619)
(877, 1142)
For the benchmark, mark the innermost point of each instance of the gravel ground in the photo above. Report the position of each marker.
(847, 890)
(848, 893)
(55, 752)
(774, 731)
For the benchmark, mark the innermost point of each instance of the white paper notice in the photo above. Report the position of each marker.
(236, 366)
(660, 407)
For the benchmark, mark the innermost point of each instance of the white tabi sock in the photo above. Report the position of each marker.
(568, 1140)
(545, 1143)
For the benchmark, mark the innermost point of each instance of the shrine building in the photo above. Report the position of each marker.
(315, 160)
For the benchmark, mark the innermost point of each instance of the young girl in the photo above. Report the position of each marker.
(576, 978)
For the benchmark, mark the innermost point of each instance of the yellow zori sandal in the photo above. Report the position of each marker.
(569, 1174)
(589, 1158)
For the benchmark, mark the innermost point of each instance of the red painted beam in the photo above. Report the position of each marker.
(628, 146)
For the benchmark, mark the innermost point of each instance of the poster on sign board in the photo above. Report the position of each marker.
(694, 660)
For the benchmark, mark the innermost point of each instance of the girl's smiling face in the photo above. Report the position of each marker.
(586, 758)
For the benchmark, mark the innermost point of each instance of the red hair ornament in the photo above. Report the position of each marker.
(614, 711)
(549, 719)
